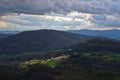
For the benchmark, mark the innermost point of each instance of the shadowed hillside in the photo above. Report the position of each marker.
(97, 45)
(40, 40)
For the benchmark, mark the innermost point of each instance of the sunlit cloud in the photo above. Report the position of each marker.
(3, 24)
(49, 21)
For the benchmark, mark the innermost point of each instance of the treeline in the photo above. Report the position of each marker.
(31, 72)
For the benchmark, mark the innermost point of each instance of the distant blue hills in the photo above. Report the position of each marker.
(10, 32)
(4, 34)
(113, 34)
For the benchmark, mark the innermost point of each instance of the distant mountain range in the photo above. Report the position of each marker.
(39, 40)
(114, 34)
(10, 32)
(5, 35)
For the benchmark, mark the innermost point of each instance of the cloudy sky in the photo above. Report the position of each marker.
(59, 14)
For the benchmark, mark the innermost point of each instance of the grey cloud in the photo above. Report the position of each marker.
(106, 20)
(105, 12)
(60, 6)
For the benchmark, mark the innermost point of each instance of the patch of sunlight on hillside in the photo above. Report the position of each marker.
(53, 62)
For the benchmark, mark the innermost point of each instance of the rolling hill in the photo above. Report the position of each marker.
(40, 40)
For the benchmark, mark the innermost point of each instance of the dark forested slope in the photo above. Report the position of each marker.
(97, 45)
(39, 40)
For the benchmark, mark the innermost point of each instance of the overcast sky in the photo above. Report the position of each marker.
(59, 14)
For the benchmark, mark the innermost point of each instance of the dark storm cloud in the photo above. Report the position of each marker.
(33, 6)
(60, 6)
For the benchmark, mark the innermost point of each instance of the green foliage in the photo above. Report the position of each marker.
(31, 72)
(49, 62)
(113, 56)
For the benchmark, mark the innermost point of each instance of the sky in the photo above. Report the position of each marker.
(59, 14)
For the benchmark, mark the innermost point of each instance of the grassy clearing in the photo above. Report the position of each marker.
(53, 62)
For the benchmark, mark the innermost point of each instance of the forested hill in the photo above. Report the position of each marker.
(39, 40)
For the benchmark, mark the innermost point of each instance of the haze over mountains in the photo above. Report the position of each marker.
(4, 35)
(114, 34)
(9, 32)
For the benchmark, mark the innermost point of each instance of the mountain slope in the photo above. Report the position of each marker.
(40, 40)
(114, 34)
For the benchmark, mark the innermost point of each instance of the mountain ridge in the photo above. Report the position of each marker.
(39, 40)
